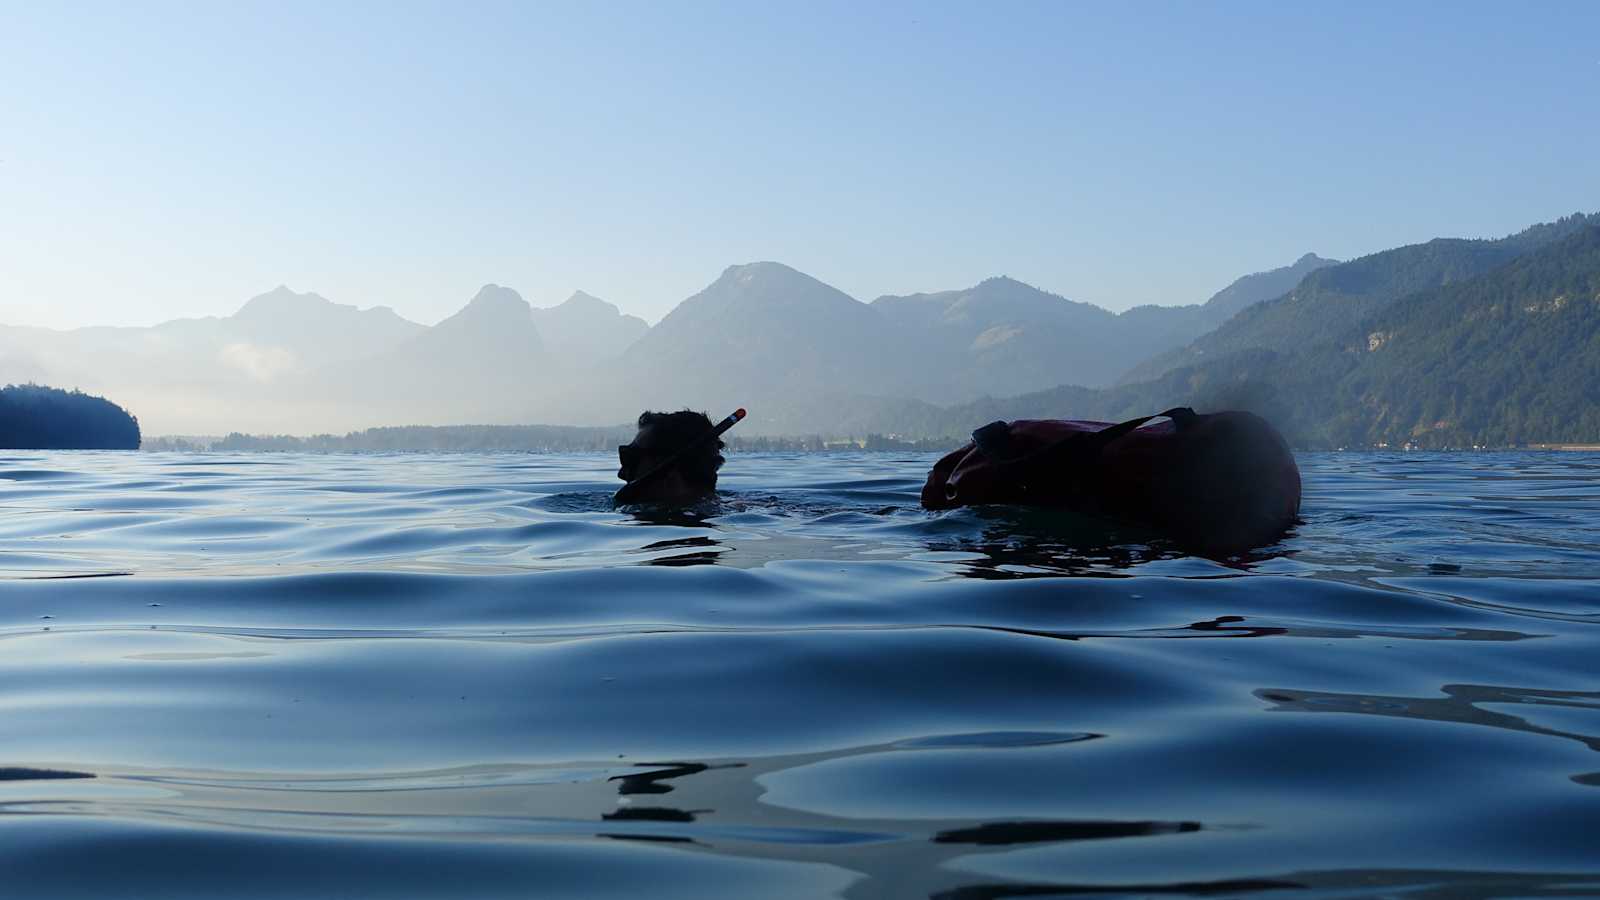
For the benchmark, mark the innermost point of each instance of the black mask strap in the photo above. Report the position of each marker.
(1073, 453)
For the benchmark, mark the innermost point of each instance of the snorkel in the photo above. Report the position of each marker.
(630, 491)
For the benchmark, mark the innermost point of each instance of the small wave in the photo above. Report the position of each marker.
(473, 675)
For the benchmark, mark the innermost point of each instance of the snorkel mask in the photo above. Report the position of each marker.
(629, 454)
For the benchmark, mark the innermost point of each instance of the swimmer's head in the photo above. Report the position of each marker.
(691, 477)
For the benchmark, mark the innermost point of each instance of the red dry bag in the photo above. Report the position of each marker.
(1219, 483)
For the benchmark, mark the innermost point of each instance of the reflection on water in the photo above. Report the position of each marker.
(413, 675)
(1464, 703)
(1225, 888)
(655, 781)
(998, 833)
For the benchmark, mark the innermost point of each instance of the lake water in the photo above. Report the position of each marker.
(467, 676)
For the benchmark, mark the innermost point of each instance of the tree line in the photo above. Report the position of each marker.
(35, 417)
(516, 438)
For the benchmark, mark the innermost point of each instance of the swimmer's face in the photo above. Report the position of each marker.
(640, 456)
(648, 450)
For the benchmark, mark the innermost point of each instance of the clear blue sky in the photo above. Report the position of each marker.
(172, 160)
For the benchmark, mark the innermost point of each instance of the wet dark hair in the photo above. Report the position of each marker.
(672, 431)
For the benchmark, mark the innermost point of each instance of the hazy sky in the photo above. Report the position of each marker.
(172, 160)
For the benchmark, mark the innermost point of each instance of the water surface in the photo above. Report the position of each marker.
(466, 675)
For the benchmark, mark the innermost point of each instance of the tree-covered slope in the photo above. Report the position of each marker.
(1330, 302)
(1511, 356)
(34, 417)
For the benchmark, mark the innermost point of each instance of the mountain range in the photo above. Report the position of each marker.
(804, 356)
(1447, 342)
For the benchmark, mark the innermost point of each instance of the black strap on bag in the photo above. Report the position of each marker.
(1059, 467)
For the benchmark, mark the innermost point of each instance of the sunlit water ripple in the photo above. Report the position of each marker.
(467, 676)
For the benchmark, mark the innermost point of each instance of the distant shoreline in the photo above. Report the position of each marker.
(520, 439)
(1585, 448)
(605, 440)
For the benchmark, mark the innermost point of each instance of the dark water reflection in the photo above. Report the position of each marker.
(468, 676)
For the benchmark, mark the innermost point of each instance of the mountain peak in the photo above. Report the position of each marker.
(582, 306)
(761, 267)
(586, 328)
(757, 272)
(1006, 286)
(766, 282)
(282, 308)
(580, 299)
(492, 299)
(281, 300)
(496, 324)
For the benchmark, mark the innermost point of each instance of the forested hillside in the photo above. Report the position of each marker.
(34, 417)
(1511, 356)
(1332, 301)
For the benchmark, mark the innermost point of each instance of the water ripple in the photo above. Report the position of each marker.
(406, 675)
